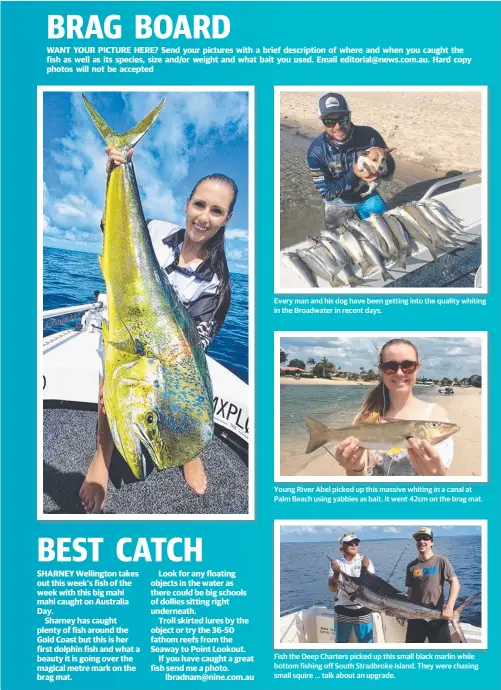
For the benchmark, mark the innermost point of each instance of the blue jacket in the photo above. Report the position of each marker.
(332, 166)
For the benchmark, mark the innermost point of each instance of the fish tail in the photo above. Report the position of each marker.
(459, 610)
(129, 139)
(386, 274)
(457, 615)
(318, 434)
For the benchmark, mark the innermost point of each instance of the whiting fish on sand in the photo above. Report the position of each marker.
(380, 242)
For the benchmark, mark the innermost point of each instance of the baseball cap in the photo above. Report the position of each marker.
(423, 532)
(349, 536)
(332, 104)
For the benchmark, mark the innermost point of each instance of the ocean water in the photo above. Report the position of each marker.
(304, 569)
(70, 278)
(335, 406)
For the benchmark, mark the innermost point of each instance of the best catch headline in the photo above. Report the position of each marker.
(162, 26)
(150, 549)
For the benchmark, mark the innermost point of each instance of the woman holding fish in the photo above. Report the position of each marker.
(416, 437)
(194, 261)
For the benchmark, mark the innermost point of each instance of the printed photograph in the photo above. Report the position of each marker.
(145, 302)
(380, 188)
(383, 583)
(381, 405)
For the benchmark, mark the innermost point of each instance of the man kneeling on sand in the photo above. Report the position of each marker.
(332, 159)
(349, 615)
(425, 579)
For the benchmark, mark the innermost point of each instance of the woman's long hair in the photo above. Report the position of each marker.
(216, 253)
(377, 401)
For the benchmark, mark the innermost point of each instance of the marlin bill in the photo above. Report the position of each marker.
(157, 390)
(386, 436)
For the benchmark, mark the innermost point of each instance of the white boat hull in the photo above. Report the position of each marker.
(316, 625)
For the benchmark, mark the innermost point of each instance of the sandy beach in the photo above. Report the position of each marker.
(463, 408)
(440, 130)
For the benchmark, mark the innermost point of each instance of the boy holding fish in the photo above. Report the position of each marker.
(350, 616)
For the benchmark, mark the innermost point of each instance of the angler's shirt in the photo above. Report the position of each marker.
(331, 164)
(353, 568)
(427, 580)
(197, 287)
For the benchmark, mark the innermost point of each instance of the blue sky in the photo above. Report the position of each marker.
(440, 357)
(329, 533)
(197, 133)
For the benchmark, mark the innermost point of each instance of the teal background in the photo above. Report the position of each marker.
(247, 547)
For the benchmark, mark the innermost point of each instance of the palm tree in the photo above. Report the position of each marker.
(284, 356)
(311, 362)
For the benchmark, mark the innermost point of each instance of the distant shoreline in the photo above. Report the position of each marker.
(289, 380)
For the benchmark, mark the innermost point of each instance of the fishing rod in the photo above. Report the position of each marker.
(399, 559)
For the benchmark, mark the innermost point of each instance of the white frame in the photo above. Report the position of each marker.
(251, 234)
(380, 645)
(481, 335)
(306, 290)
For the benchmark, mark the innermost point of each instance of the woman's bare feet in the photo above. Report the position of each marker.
(95, 486)
(194, 475)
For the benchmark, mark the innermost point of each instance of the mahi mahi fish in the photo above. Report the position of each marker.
(371, 591)
(157, 390)
(387, 436)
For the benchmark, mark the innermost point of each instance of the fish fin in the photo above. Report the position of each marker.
(318, 434)
(129, 139)
(386, 275)
(396, 449)
(460, 633)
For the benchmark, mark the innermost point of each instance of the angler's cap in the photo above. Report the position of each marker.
(332, 104)
(349, 536)
(423, 532)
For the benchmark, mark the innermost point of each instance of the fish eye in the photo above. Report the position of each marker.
(150, 418)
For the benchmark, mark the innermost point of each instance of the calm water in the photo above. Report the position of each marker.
(70, 278)
(335, 406)
(304, 569)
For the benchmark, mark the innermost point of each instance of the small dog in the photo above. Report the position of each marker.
(373, 161)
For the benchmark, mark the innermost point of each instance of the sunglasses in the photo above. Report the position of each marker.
(331, 122)
(418, 539)
(408, 366)
(355, 542)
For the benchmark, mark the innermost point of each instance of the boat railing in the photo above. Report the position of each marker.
(449, 180)
(295, 609)
(62, 315)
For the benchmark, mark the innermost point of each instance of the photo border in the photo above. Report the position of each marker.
(472, 648)
(484, 422)
(250, 90)
(484, 167)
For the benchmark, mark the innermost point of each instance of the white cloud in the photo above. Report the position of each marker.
(192, 124)
(236, 234)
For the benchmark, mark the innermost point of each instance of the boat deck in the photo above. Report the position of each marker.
(69, 440)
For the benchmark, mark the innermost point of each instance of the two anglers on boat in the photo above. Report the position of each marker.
(424, 579)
